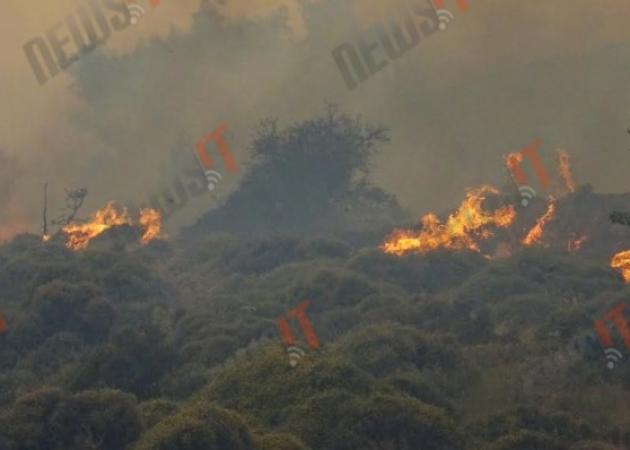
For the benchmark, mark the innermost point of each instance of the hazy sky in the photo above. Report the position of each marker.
(504, 73)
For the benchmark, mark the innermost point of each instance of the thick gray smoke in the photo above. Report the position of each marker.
(501, 75)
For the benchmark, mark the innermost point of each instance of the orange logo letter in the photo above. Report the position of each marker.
(617, 317)
(461, 4)
(515, 159)
(224, 150)
(299, 312)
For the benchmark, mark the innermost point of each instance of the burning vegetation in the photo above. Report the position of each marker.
(79, 235)
(536, 233)
(462, 230)
(621, 261)
(471, 223)
(151, 222)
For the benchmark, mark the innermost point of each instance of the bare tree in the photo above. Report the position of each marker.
(74, 201)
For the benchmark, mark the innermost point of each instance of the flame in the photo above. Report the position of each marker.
(564, 168)
(536, 233)
(575, 244)
(621, 261)
(79, 235)
(151, 221)
(461, 230)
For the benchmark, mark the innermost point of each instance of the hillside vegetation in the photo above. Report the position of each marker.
(175, 346)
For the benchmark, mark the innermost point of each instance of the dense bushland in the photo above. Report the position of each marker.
(174, 346)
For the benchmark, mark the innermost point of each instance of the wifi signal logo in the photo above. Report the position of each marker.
(205, 160)
(213, 178)
(136, 11)
(527, 193)
(295, 354)
(613, 356)
(513, 162)
(617, 317)
(445, 17)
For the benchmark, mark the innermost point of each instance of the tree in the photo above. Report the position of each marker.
(202, 426)
(337, 420)
(135, 361)
(301, 174)
(51, 419)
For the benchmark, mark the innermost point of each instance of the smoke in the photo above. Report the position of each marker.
(500, 76)
(12, 218)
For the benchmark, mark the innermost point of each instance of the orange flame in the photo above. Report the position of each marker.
(564, 168)
(461, 230)
(536, 233)
(79, 235)
(151, 221)
(621, 261)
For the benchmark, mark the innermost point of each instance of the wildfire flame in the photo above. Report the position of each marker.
(79, 235)
(536, 233)
(151, 222)
(564, 168)
(461, 230)
(621, 261)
